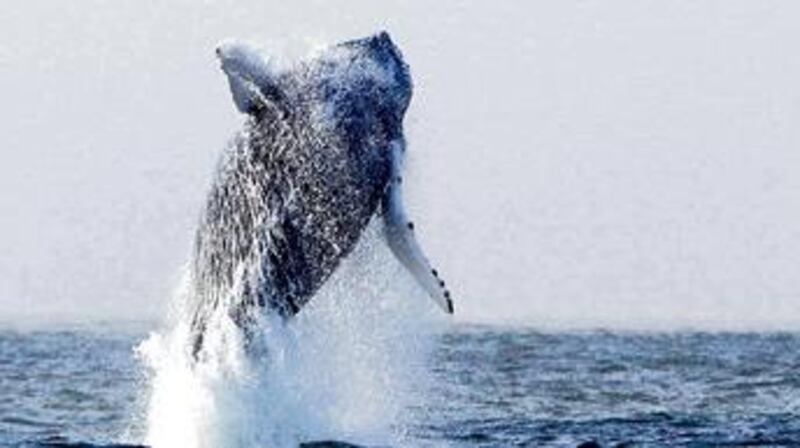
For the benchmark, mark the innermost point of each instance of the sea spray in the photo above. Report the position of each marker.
(344, 368)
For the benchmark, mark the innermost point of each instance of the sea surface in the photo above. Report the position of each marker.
(484, 387)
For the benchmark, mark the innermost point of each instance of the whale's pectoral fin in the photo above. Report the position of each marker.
(399, 233)
(253, 83)
(246, 94)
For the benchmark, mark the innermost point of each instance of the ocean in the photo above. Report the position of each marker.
(476, 386)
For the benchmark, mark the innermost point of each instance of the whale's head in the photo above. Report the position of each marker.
(360, 87)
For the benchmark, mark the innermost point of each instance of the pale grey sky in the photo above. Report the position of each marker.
(625, 163)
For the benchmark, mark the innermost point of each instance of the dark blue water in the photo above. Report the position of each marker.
(78, 384)
(492, 387)
(524, 388)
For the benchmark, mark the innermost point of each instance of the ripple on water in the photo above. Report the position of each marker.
(491, 388)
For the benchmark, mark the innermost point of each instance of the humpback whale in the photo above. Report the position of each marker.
(320, 153)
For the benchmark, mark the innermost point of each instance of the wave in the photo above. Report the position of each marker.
(345, 368)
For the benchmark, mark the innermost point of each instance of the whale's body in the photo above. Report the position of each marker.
(319, 155)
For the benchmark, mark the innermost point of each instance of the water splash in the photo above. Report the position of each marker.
(344, 368)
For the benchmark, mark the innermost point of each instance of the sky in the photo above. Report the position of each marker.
(625, 164)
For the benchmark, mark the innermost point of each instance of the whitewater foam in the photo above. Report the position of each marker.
(344, 368)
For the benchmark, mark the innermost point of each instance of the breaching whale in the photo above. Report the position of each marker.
(320, 153)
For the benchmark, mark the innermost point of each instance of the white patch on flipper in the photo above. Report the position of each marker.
(399, 233)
